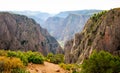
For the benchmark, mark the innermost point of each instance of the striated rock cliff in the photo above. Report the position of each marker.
(64, 28)
(64, 25)
(101, 32)
(19, 32)
(54, 26)
(73, 24)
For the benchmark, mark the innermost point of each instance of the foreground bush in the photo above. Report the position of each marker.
(3, 53)
(11, 65)
(26, 57)
(35, 57)
(14, 61)
(57, 58)
(102, 62)
(20, 55)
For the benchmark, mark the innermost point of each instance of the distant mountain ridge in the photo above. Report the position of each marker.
(79, 12)
(38, 16)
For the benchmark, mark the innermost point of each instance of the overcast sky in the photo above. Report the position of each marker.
(55, 6)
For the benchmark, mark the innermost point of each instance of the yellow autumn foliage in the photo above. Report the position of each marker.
(7, 64)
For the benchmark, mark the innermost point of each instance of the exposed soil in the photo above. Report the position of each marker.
(45, 68)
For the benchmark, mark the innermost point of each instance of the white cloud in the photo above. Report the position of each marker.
(54, 6)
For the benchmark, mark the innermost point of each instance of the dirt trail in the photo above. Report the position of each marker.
(45, 68)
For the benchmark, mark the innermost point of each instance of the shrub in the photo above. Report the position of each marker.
(11, 54)
(50, 56)
(3, 53)
(66, 66)
(57, 58)
(35, 57)
(20, 55)
(74, 68)
(14, 61)
(7, 64)
(25, 57)
(101, 62)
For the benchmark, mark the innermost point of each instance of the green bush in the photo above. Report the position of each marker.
(35, 57)
(73, 68)
(13, 61)
(66, 66)
(101, 62)
(12, 54)
(23, 57)
(20, 55)
(57, 58)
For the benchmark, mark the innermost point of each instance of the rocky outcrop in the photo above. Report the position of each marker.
(19, 32)
(101, 32)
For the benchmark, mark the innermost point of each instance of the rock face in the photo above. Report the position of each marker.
(64, 25)
(101, 32)
(73, 24)
(54, 26)
(64, 28)
(19, 32)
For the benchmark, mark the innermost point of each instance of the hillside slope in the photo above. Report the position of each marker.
(101, 32)
(19, 32)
